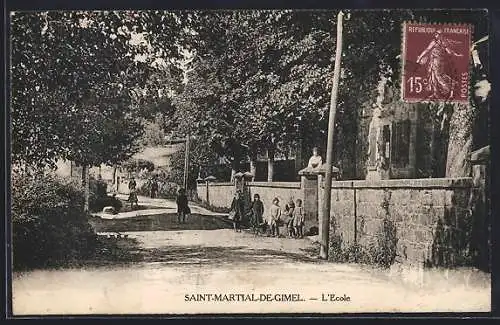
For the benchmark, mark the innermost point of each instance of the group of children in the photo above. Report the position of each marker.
(292, 216)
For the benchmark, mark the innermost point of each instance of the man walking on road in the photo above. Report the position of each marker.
(182, 206)
(154, 188)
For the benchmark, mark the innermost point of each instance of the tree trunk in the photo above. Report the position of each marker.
(233, 172)
(234, 167)
(253, 168)
(270, 165)
(86, 187)
(114, 174)
(298, 158)
(460, 141)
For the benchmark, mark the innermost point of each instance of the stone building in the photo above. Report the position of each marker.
(404, 140)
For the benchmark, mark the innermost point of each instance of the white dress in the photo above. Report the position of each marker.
(315, 162)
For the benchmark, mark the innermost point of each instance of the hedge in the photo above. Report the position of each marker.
(49, 227)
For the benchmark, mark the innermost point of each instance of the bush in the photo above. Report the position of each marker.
(49, 227)
(98, 197)
(380, 251)
(166, 190)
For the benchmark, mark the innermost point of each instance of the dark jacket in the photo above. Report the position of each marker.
(182, 204)
(257, 211)
(238, 206)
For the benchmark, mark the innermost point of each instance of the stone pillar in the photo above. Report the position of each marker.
(309, 186)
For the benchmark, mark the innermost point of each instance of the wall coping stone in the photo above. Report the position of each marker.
(276, 184)
(216, 184)
(462, 182)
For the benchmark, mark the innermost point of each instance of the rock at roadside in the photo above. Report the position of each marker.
(109, 210)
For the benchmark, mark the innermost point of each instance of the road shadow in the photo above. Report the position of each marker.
(124, 250)
(218, 255)
(164, 221)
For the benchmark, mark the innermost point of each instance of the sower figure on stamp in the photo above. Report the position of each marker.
(182, 206)
(439, 82)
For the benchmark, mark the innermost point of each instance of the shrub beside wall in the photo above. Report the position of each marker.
(98, 197)
(166, 190)
(49, 227)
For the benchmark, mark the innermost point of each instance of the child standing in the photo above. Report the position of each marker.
(132, 198)
(290, 207)
(257, 211)
(298, 219)
(274, 217)
(237, 209)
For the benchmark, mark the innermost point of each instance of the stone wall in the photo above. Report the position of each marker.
(429, 217)
(285, 192)
(221, 194)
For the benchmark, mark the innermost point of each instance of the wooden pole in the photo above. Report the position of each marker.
(86, 187)
(325, 222)
(270, 165)
(186, 163)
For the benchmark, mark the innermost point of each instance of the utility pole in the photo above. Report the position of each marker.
(325, 222)
(186, 163)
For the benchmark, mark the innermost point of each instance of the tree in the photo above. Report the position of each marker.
(258, 83)
(74, 82)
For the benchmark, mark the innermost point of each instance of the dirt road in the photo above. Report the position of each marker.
(204, 267)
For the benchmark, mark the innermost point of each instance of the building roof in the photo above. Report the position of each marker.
(159, 155)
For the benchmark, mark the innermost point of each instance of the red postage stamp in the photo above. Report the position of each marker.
(436, 62)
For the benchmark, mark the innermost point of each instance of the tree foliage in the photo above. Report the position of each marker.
(87, 85)
(75, 82)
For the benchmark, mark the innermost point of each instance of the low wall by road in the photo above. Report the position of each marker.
(424, 221)
(285, 192)
(221, 194)
(427, 218)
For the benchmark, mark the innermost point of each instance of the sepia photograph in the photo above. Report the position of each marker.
(218, 162)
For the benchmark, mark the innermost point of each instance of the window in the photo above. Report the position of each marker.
(400, 149)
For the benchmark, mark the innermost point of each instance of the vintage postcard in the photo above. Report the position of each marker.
(186, 162)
